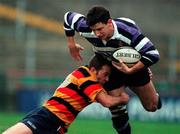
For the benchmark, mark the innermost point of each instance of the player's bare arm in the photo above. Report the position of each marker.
(110, 101)
(74, 48)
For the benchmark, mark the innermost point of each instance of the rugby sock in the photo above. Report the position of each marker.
(120, 119)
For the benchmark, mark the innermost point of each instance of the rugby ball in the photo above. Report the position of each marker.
(127, 54)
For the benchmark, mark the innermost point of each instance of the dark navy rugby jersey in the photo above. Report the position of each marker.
(126, 33)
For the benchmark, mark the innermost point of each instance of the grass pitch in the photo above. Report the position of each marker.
(89, 126)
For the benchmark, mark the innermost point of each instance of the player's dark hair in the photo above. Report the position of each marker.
(97, 61)
(97, 14)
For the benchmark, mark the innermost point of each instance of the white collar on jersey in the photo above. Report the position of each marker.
(115, 30)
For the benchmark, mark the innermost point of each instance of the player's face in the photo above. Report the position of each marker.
(103, 31)
(103, 74)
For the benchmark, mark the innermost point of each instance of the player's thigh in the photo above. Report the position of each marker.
(146, 93)
(18, 128)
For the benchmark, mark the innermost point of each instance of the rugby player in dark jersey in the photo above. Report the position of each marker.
(106, 35)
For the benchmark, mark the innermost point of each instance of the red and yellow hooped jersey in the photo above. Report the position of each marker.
(78, 90)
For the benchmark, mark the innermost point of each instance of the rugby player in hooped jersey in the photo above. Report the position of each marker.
(80, 88)
(106, 35)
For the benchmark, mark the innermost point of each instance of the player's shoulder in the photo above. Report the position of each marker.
(71, 13)
(83, 71)
(86, 77)
(125, 20)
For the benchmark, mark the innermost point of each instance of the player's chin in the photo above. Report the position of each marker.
(102, 37)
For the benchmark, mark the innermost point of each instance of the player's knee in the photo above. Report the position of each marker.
(154, 105)
(151, 107)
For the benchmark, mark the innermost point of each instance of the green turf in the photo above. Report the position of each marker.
(82, 126)
(89, 126)
(8, 119)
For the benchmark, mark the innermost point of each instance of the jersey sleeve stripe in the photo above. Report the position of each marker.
(153, 52)
(67, 29)
(65, 19)
(142, 43)
(93, 93)
(146, 61)
(74, 20)
(137, 40)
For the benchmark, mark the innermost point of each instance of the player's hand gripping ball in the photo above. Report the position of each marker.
(128, 55)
